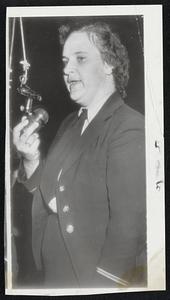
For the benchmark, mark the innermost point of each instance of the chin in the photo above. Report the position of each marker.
(77, 100)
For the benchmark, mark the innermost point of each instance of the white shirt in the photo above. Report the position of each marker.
(92, 111)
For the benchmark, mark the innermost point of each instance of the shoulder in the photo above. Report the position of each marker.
(126, 117)
(127, 124)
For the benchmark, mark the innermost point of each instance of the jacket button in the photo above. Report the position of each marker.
(61, 188)
(70, 228)
(66, 208)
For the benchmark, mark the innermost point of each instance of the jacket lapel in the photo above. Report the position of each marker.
(54, 162)
(61, 143)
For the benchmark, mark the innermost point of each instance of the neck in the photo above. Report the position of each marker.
(103, 94)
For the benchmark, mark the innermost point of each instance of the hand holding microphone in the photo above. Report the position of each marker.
(27, 141)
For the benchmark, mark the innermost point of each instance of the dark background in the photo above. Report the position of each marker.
(166, 42)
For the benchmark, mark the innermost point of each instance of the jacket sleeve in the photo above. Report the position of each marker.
(126, 233)
(32, 183)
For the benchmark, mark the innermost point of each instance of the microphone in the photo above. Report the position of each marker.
(27, 92)
(39, 116)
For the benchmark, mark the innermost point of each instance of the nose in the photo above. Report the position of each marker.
(69, 68)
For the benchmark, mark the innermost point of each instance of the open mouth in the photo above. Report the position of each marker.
(74, 84)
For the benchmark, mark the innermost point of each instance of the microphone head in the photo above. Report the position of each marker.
(41, 116)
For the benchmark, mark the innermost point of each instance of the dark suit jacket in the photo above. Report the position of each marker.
(103, 184)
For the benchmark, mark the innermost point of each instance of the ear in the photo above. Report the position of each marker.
(108, 69)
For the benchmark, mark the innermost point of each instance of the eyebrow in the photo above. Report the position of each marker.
(77, 52)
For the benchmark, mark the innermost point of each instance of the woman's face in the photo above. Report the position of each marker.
(84, 69)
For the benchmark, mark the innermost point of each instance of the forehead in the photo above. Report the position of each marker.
(79, 42)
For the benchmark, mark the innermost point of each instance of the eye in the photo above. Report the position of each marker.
(81, 58)
(65, 62)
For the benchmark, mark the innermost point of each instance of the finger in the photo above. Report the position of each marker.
(24, 146)
(33, 150)
(35, 145)
(18, 128)
(27, 132)
(23, 118)
(32, 138)
(21, 125)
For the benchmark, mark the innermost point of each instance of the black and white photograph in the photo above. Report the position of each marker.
(84, 209)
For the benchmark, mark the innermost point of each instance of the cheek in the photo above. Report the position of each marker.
(94, 74)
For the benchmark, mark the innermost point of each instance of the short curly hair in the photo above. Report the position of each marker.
(108, 43)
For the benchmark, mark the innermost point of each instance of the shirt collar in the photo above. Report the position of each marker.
(93, 108)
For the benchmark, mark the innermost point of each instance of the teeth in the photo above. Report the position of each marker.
(73, 83)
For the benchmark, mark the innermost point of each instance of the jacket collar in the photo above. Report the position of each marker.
(94, 107)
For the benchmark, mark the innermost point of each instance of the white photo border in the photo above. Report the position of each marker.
(153, 65)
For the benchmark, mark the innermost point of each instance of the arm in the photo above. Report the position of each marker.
(126, 234)
(27, 143)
